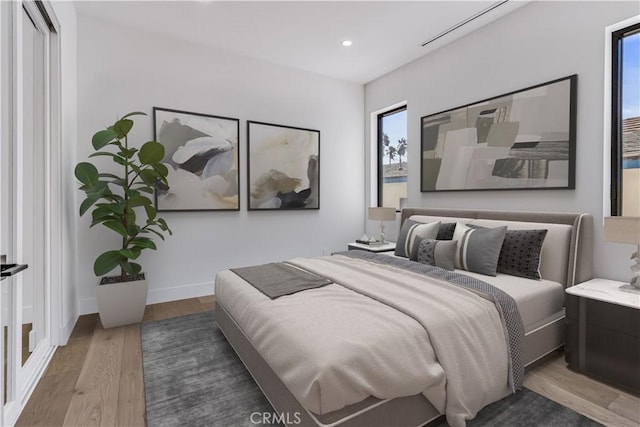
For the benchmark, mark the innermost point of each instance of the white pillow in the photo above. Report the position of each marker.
(411, 229)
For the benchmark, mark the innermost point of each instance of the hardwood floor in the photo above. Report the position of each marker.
(603, 403)
(96, 379)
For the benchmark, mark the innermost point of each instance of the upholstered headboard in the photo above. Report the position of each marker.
(573, 233)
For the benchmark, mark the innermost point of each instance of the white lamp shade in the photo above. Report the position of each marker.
(622, 229)
(382, 214)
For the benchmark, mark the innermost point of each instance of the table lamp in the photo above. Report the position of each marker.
(626, 229)
(382, 214)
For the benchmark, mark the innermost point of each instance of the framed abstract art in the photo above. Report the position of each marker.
(201, 153)
(520, 140)
(283, 167)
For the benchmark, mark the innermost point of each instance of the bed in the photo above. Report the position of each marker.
(284, 364)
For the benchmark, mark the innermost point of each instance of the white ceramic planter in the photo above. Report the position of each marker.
(121, 303)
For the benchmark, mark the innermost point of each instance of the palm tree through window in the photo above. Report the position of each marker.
(393, 165)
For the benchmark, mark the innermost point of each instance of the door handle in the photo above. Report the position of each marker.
(8, 270)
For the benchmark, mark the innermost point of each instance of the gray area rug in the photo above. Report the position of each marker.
(192, 377)
(528, 409)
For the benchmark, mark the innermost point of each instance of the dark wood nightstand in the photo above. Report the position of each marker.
(603, 332)
(385, 247)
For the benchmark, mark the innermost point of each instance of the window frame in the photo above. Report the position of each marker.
(615, 35)
(380, 150)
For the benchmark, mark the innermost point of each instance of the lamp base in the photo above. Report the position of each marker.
(382, 241)
(629, 288)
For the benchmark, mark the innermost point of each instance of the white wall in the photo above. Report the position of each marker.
(122, 70)
(539, 42)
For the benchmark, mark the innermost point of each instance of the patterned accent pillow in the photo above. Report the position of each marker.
(520, 253)
(478, 248)
(445, 232)
(410, 230)
(440, 253)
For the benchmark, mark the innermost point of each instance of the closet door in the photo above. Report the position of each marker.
(8, 282)
(24, 139)
(32, 141)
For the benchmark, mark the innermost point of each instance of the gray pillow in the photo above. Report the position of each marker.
(520, 253)
(478, 249)
(440, 253)
(410, 230)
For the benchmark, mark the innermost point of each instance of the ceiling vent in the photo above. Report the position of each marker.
(464, 22)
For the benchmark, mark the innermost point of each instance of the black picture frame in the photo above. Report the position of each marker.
(521, 140)
(202, 153)
(283, 167)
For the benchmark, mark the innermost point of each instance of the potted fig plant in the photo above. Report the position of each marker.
(121, 202)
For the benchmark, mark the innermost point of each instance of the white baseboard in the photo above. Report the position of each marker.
(64, 332)
(89, 305)
(180, 292)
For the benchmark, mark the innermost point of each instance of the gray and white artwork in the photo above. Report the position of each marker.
(521, 140)
(201, 153)
(284, 167)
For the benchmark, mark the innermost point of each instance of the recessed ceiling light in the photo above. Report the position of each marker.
(346, 43)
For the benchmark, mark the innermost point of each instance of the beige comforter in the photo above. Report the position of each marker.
(333, 347)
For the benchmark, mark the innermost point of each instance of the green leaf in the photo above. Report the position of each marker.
(132, 193)
(135, 113)
(145, 189)
(156, 233)
(108, 175)
(101, 213)
(103, 219)
(134, 230)
(119, 160)
(102, 138)
(151, 152)
(117, 227)
(163, 224)
(162, 170)
(131, 267)
(86, 204)
(143, 242)
(151, 212)
(94, 223)
(122, 127)
(109, 198)
(138, 201)
(116, 208)
(86, 173)
(128, 153)
(98, 190)
(130, 253)
(149, 176)
(107, 262)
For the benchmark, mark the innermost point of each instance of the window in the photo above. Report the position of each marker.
(392, 157)
(625, 121)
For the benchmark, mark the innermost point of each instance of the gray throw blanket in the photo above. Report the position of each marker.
(513, 321)
(279, 279)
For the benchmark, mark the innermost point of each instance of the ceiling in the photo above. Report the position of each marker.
(307, 34)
